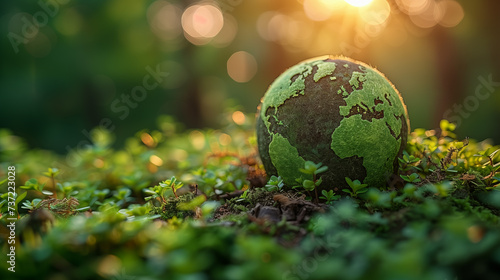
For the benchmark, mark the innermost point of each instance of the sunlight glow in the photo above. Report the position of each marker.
(319, 10)
(358, 3)
(377, 13)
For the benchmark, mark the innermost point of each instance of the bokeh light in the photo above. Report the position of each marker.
(197, 139)
(201, 23)
(227, 33)
(238, 117)
(376, 13)
(147, 139)
(179, 154)
(224, 139)
(429, 13)
(428, 17)
(413, 7)
(271, 26)
(358, 3)
(241, 66)
(453, 13)
(156, 160)
(164, 19)
(319, 10)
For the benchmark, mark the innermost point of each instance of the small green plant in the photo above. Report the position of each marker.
(122, 196)
(33, 184)
(274, 184)
(412, 178)
(460, 203)
(492, 178)
(356, 187)
(161, 191)
(329, 196)
(31, 205)
(52, 173)
(312, 169)
(408, 162)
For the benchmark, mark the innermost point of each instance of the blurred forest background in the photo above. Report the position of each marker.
(70, 65)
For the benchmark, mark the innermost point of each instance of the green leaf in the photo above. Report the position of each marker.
(308, 185)
(361, 191)
(52, 172)
(349, 181)
(31, 184)
(492, 155)
(20, 197)
(191, 205)
(445, 125)
(347, 191)
(47, 192)
(318, 182)
(321, 170)
(208, 207)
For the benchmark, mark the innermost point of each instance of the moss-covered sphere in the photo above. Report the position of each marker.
(337, 111)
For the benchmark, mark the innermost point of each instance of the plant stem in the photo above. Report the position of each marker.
(316, 192)
(55, 187)
(315, 188)
(173, 189)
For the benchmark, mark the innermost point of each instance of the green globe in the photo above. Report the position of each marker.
(336, 111)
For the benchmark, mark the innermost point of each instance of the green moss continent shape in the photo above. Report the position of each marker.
(337, 111)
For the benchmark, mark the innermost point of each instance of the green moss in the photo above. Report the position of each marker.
(170, 209)
(285, 158)
(373, 140)
(284, 88)
(366, 113)
(377, 89)
(356, 78)
(291, 83)
(370, 140)
(324, 69)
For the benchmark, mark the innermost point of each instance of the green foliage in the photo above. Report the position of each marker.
(164, 190)
(329, 196)
(312, 169)
(118, 215)
(412, 178)
(356, 187)
(274, 184)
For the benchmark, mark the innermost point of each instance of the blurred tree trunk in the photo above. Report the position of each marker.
(491, 23)
(450, 74)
